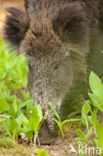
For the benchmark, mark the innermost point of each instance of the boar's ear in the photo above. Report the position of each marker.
(27, 3)
(71, 24)
(16, 26)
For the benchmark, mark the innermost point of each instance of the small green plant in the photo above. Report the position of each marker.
(90, 115)
(41, 152)
(12, 110)
(17, 113)
(32, 124)
(14, 120)
(58, 120)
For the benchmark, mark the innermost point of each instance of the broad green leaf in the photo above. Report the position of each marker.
(19, 120)
(39, 110)
(96, 85)
(26, 123)
(29, 106)
(22, 105)
(95, 101)
(36, 117)
(25, 130)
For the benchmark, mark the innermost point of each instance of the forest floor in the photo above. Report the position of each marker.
(61, 149)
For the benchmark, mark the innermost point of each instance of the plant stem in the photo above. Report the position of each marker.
(4, 116)
(35, 138)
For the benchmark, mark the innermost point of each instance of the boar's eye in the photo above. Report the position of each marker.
(56, 67)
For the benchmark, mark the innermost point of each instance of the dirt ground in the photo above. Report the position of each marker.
(63, 148)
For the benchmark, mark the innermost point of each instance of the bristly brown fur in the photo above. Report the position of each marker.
(45, 16)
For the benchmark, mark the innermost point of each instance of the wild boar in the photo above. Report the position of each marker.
(58, 37)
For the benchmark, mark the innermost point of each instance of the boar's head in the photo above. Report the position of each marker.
(54, 36)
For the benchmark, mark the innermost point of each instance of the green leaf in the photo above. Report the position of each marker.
(74, 113)
(1, 121)
(6, 126)
(3, 104)
(94, 117)
(99, 130)
(26, 123)
(35, 118)
(26, 95)
(60, 126)
(54, 111)
(90, 131)
(96, 85)
(39, 111)
(25, 130)
(95, 141)
(19, 120)
(14, 128)
(81, 135)
(29, 106)
(70, 120)
(85, 110)
(95, 101)
(15, 104)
